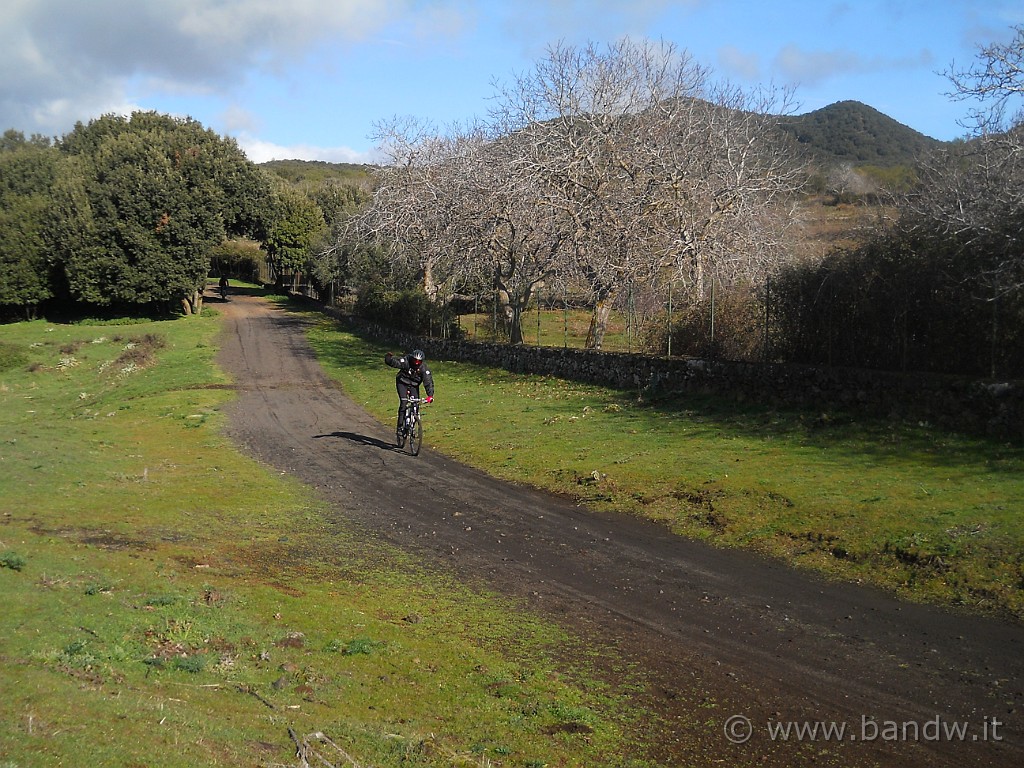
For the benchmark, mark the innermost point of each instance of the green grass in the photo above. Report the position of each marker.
(931, 515)
(557, 328)
(169, 602)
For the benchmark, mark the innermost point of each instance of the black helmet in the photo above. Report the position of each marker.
(416, 358)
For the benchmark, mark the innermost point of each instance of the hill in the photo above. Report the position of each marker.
(314, 172)
(852, 132)
(844, 132)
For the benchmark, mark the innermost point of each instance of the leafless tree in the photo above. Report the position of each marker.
(733, 182)
(606, 169)
(996, 79)
(652, 166)
(523, 239)
(973, 192)
(418, 207)
(462, 209)
(846, 184)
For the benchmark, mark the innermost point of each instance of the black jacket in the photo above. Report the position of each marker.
(409, 376)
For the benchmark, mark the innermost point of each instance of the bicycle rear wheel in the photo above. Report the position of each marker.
(415, 435)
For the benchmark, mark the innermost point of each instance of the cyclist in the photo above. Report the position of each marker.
(411, 373)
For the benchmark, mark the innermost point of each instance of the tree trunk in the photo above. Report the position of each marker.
(192, 305)
(599, 323)
(515, 324)
(429, 284)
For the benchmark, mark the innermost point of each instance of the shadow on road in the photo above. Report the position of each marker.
(361, 439)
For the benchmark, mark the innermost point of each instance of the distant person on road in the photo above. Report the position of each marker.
(411, 373)
(223, 286)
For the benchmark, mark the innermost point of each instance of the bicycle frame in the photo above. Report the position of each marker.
(412, 424)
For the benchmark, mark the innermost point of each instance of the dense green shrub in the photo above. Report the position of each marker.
(408, 310)
(900, 302)
(236, 258)
(12, 560)
(735, 333)
(27, 172)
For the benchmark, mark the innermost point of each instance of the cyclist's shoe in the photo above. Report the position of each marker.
(399, 438)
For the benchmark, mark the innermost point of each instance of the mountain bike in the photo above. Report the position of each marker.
(412, 426)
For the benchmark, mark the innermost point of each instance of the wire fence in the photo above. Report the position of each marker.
(765, 326)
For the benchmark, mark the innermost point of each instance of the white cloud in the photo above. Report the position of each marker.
(238, 120)
(811, 67)
(536, 23)
(736, 62)
(68, 60)
(259, 151)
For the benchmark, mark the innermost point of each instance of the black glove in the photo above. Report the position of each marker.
(387, 357)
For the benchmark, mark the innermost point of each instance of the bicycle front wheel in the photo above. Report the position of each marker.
(416, 436)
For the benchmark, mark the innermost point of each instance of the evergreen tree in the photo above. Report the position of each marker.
(140, 202)
(297, 224)
(27, 171)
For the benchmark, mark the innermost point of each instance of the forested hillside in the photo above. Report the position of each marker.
(844, 132)
(314, 172)
(852, 132)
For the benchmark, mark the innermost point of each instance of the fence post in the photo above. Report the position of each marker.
(995, 333)
(713, 316)
(565, 318)
(670, 284)
(538, 319)
(629, 318)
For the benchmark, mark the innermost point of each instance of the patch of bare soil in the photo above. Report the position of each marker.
(733, 649)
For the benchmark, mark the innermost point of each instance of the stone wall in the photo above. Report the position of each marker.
(991, 408)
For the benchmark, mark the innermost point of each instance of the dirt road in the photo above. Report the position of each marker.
(731, 646)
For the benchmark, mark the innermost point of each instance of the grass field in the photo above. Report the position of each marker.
(928, 514)
(169, 602)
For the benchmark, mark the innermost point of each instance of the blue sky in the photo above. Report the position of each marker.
(309, 79)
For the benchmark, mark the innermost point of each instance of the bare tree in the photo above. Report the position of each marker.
(733, 182)
(846, 184)
(417, 205)
(651, 165)
(603, 169)
(973, 192)
(462, 209)
(996, 79)
(522, 238)
(570, 112)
